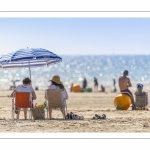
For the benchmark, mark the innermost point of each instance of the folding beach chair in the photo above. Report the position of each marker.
(21, 100)
(55, 100)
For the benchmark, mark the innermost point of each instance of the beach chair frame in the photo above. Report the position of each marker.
(141, 100)
(55, 100)
(22, 100)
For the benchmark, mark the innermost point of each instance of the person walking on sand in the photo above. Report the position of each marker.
(95, 84)
(84, 84)
(124, 84)
(114, 84)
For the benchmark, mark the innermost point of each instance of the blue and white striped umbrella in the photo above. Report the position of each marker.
(33, 57)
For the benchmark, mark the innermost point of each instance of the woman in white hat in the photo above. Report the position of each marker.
(57, 84)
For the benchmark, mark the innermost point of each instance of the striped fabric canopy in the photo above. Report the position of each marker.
(33, 57)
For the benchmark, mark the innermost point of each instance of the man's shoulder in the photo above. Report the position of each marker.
(128, 78)
(120, 77)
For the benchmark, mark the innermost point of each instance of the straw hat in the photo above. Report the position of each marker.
(56, 79)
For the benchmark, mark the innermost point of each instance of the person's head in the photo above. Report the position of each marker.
(26, 81)
(139, 87)
(56, 81)
(125, 73)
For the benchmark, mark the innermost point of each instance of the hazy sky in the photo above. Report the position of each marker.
(76, 35)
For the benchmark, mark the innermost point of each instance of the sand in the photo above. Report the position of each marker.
(82, 104)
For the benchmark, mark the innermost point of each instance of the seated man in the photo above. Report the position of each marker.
(25, 87)
(124, 83)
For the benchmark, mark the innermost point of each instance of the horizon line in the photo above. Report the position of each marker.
(104, 54)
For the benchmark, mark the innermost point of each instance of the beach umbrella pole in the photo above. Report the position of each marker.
(29, 70)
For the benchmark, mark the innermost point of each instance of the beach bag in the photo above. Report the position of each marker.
(38, 113)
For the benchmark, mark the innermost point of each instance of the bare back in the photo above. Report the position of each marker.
(124, 83)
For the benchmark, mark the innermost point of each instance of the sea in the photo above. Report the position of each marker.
(74, 68)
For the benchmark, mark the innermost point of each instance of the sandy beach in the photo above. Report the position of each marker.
(82, 104)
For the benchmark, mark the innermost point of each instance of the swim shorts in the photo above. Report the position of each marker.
(127, 91)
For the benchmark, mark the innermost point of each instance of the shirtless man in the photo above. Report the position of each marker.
(124, 83)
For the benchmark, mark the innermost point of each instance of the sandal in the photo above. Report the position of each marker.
(81, 117)
(94, 118)
(117, 108)
(133, 107)
(97, 116)
(103, 116)
(16, 110)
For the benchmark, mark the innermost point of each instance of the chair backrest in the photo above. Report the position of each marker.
(54, 98)
(22, 100)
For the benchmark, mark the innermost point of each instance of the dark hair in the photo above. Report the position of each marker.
(26, 81)
(60, 85)
(125, 72)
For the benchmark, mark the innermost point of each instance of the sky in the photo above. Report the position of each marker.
(76, 36)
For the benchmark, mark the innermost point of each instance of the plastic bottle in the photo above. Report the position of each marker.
(44, 104)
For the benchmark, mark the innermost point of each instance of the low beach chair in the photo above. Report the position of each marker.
(21, 100)
(55, 100)
(141, 98)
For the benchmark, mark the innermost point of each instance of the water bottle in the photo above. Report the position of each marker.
(44, 104)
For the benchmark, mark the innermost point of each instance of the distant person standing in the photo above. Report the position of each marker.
(95, 85)
(14, 84)
(84, 84)
(114, 84)
(124, 84)
(71, 88)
